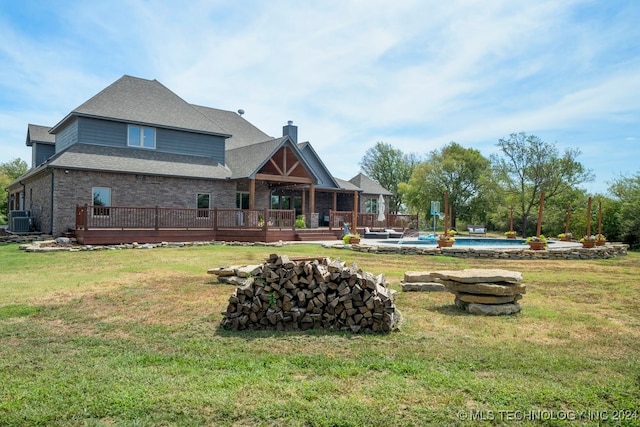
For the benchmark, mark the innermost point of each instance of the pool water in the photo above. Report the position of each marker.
(466, 241)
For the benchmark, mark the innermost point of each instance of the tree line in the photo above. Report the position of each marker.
(508, 184)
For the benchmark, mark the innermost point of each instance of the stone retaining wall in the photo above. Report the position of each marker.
(610, 250)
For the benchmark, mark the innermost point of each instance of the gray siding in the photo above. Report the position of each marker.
(40, 153)
(193, 144)
(114, 134)
(102, 132)
(66, 137)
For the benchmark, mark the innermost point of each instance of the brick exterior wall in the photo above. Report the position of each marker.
(75, 188)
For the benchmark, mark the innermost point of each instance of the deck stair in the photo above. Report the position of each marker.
(310, 235)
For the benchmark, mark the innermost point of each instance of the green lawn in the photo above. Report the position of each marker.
(131, 337)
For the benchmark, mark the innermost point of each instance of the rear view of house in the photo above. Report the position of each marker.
(138, 163)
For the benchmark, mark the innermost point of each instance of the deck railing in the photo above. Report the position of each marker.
(395, 221)
(122, 217)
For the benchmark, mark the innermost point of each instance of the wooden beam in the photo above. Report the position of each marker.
(252, 194)
(275, 165)
(355, 212)
(312, 198)
(280, 178)
(292, 168)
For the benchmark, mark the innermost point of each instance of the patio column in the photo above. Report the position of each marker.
(312, 198)
(252, 194)
(304, 202)
(355, 212)
(335, 201)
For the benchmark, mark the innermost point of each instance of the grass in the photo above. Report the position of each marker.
(131, 338)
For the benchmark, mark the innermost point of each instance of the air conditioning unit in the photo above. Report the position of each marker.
(16, 214)
(20, 224)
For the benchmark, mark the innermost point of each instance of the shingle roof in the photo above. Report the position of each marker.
(37, 133)
(146, 102)
(246, 161)
(242, 132)
(369, 186)
(128, 160)
(346, 185)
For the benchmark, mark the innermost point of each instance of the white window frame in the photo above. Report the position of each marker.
(141, 130)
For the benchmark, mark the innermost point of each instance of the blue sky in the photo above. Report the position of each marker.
(414, 74)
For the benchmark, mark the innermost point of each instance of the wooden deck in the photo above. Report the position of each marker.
(96, 225)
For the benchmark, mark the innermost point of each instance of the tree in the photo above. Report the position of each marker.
(389, 167)
(528, 166)
(9, 172)
(458, 170)
(627, 191)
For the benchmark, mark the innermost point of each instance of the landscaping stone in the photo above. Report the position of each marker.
(423, 287)
(488, 292)
(487, 299)
(478, 275)
(501, 288)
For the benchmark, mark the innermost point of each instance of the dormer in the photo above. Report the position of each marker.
(42, 143)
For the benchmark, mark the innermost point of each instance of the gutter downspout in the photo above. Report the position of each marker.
(24, 196)
(51, 213)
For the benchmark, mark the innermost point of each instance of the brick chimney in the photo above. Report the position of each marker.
(291, 131)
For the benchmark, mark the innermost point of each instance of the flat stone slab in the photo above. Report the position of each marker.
(419, 277)
(493, 309)
(423, 287)
(503, 288)
(478, 275)
(487, 299)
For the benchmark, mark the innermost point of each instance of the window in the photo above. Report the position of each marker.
(371, 206)
(140, 136)
(204, 204)
(242, 200)
(101, 199)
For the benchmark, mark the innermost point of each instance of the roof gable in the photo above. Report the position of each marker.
(40, 134)
(146, 102)
(276, 159)
(368, 186)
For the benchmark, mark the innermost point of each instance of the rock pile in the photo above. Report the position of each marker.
(490, 292)
(301, 294)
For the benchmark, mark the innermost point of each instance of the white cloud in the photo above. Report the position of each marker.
(350, 73)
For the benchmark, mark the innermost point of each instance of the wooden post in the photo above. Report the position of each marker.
(600, 217)
(252, 194)
(156, 218)
(312, 198)
(589, 217)
(511, 219)
(355, 212)
(540, 210)
(566, 219)
(446, 213)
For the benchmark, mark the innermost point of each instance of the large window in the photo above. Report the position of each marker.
(140, 136)
(204, 204)
(101, 200)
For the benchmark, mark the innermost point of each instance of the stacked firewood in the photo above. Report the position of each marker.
(300, 294)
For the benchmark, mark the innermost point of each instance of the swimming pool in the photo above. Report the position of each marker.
(465, 241)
